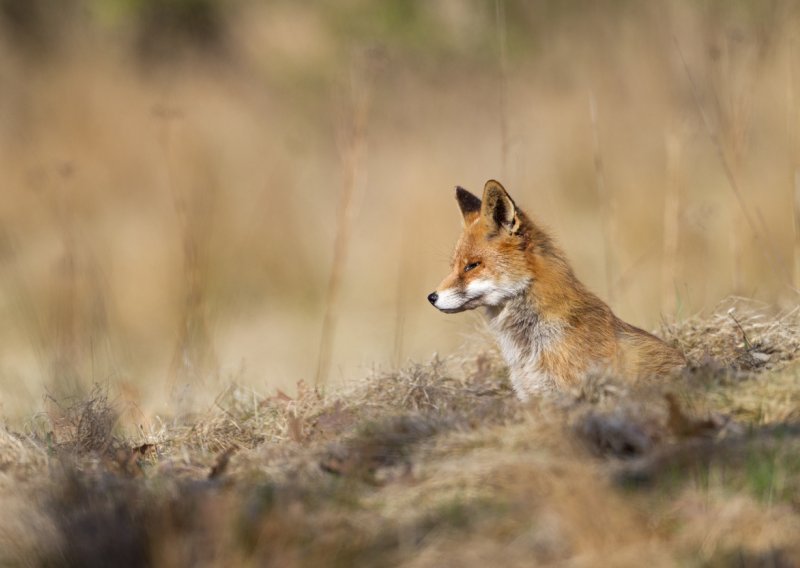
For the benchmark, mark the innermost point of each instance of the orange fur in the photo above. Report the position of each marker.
(551, 329)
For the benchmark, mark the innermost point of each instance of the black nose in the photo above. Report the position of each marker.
(432, 297)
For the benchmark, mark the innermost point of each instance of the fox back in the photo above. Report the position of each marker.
(550, 328)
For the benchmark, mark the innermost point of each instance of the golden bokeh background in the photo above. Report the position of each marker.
(188, 186)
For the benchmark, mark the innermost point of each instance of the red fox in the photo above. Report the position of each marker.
(550, 328)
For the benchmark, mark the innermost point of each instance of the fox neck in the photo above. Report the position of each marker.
(536, 321)
(523, 335)
(516, 324)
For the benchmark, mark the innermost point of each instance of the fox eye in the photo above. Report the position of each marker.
(471, 266)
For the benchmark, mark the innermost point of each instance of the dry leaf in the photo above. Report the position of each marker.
(221, 463)
(294, 425)
(334, 421)
(684, 426)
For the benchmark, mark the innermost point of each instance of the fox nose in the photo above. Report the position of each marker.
(432, 297)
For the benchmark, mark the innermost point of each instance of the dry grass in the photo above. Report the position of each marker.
(433, 464)
(171, 207)
(740, 334)
(168, 226)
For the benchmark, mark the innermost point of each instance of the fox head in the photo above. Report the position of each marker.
(492, 262)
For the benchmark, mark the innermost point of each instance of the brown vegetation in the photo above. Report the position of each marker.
(434, 464)
(171, 172)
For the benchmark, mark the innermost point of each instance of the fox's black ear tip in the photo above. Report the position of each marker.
(467, 202)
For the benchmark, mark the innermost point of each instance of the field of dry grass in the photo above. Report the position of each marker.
(169, 211)
(436, 464)
(219, 221)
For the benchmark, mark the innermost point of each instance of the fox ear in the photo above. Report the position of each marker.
(498, 208)
(469, 204)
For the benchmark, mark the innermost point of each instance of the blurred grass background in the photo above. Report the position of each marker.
(176, 174)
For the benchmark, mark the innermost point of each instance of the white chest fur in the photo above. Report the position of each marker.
(523, 337)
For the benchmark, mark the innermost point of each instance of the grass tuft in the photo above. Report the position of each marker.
(434, 463)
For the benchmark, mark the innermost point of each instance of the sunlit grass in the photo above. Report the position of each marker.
(171, 175)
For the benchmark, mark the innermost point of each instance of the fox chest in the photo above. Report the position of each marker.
(525, 344)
